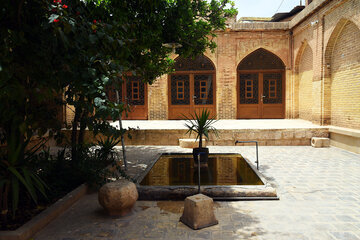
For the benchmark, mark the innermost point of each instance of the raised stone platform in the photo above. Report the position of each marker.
(268, 132)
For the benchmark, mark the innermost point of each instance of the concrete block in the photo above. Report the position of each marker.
(319, 142)
(198, 212)
(191, 143)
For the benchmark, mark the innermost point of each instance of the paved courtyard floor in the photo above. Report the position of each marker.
(319, 199)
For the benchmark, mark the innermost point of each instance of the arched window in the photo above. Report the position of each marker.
(261, 87)
(191, 87)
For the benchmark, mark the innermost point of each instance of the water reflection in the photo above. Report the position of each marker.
(219, 170)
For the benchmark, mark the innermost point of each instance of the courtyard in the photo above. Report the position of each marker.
(318, 191)
(78, 80)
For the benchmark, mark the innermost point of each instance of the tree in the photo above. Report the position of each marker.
(28, 95)
(75, 49)
(103, 41)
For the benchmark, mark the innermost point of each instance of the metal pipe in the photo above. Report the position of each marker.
(121, 131)
(257, 152)
(244, 198)
(198, 158)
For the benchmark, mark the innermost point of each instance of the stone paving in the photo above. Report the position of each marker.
(319, 199)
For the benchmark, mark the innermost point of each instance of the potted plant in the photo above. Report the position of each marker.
(201, 125)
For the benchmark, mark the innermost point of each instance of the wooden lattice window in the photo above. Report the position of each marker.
(261, 59)
(203, 89)
(249, 89)
(135, 90)
(177, 90)
(180, 89)
(272, 88)
(200, 63)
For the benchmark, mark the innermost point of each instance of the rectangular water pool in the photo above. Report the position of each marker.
(226, 176)
(221, 169)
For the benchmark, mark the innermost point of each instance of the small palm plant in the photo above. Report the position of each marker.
(201, 125)
(15, 172)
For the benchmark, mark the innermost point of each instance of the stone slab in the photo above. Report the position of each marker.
(319, 142)
(191, 143)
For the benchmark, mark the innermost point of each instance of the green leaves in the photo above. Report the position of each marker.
(58, 51)
(201, 124)
(53, 17)
(15, 173)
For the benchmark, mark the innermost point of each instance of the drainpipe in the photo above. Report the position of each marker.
(322, 120)
(291, 49)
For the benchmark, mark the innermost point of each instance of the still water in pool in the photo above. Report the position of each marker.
(219, 170)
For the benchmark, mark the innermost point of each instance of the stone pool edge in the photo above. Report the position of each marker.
(223, 192)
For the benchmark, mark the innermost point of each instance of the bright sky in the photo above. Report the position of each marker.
(264, 8)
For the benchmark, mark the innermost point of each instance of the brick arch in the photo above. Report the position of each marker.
(251, 50)
(269, 60)
(191, 87)
(326, 113)
(331, 44)
(261, 86)
(305, 82)
(200, 62)
(341, 66)
(207, 54)
(299, 55)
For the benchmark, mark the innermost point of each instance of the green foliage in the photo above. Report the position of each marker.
(201, 124)
(54, 52)
(15, 174)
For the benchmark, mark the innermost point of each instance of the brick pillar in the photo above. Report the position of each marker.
(226, 77)
(290, 100)
(317, 90)
(158, 99)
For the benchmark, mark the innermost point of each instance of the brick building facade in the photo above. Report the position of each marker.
(318, 78)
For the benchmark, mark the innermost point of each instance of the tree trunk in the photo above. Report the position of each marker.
(121, 131)
(83, 126)
(74, 133)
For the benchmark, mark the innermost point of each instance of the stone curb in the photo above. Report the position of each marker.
(33, 226)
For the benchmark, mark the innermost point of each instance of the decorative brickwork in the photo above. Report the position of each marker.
(188, 64)
(261, 59)
(158, 99)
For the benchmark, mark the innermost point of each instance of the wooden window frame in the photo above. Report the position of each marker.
(203, 92)
(249, 91)
(180, 92)
(132, 90)
(272, 91)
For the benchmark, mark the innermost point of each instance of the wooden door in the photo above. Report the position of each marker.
(189, 92)
(261, 94)
(133, 92)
